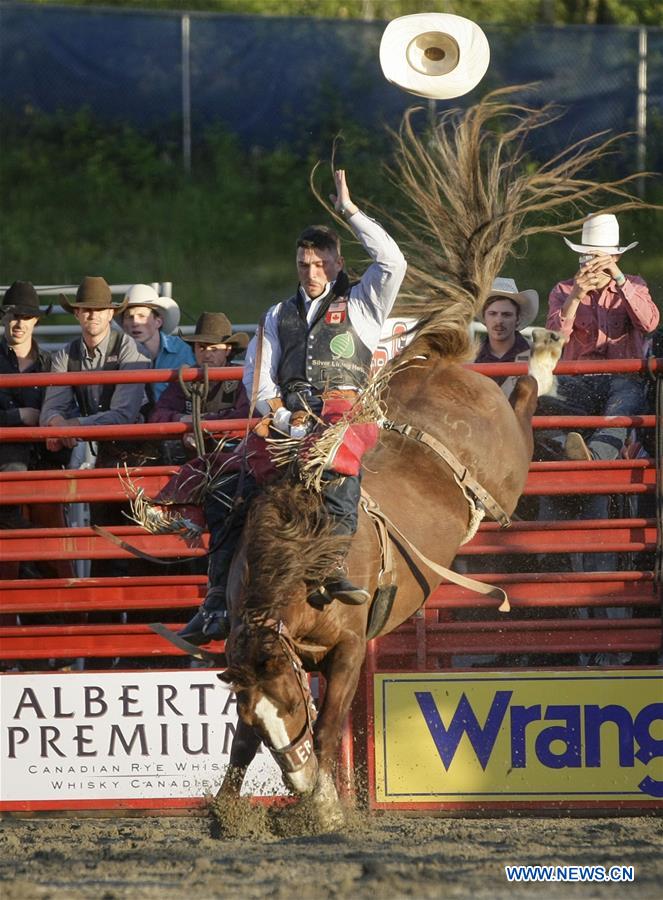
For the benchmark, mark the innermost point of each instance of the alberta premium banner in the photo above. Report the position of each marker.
(120, 735)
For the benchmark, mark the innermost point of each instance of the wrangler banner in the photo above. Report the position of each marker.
(71, 739)
(533, 738)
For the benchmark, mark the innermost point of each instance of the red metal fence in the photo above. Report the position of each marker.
(51, 619)
(65, 618)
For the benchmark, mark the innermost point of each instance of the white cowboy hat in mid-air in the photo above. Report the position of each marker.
(165, 307)
(528, 301)
(434, 55)
(600, 234)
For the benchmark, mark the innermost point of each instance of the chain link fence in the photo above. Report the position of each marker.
(275, 80)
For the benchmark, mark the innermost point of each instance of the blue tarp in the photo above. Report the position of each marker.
(275, 80)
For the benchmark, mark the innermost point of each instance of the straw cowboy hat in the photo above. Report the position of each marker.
(166, 307)
(600, 234)
(215, 328)
(21, 299)
(527, 301)
(434, 55)
(93, 293)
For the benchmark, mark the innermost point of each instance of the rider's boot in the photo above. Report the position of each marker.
(341, 500)
(211, 621)
(338, 587)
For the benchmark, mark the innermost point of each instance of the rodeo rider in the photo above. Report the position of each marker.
(321, 339)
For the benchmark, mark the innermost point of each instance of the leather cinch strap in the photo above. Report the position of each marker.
(479, 587)
(463, 477)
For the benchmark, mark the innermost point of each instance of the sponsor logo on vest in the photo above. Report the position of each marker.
(343, 345)
(380, 359)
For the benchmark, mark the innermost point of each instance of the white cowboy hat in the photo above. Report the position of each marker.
(434, 55)
(166, 307)
(600, 233)
(528, 301)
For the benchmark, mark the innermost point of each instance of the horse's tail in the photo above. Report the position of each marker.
(472, 195)
(289, 541)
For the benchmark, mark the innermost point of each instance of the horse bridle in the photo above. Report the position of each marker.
(298, 752)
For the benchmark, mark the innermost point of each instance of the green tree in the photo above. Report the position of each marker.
(507, 12)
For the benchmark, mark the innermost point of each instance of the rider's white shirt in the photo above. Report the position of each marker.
(369, 303)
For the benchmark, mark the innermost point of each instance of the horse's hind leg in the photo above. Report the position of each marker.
(341, 672)
(523, 399)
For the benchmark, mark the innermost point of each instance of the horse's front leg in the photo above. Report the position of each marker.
(341, 670)
(244, 748)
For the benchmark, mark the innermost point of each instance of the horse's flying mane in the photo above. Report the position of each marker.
(471, 192)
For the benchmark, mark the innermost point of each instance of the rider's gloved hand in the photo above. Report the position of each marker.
(281, 420)
(299, 424)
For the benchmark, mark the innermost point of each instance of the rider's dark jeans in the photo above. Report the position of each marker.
(341, 499)
(225, 523)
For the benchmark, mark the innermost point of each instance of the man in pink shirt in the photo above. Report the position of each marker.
(604, 314)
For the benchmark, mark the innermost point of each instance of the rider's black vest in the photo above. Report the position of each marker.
(328, 352)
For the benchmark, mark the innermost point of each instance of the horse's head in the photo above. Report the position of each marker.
(273, 697)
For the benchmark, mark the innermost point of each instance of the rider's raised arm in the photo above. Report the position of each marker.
(372, 298)
(380, 283)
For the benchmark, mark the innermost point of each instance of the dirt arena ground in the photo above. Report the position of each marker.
(384, 858)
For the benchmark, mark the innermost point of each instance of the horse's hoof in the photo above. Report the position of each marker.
(331, 819)
(327, 806)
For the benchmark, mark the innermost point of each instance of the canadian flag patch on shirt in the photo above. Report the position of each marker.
(337, 312)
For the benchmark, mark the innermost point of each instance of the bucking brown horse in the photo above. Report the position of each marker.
(277, 635)
(470, 193)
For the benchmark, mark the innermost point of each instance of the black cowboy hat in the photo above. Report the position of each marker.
(93, 293)
(215, 328)
(22, 299)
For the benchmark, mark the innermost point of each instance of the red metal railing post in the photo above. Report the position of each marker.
(369, 670)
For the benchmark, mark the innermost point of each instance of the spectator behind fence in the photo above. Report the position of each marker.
(20, 354)
(605, 315)
(215, 345)
(100, 348)
(151, 321)
(504, 313)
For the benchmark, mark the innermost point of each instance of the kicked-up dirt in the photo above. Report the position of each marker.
(271, 855)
